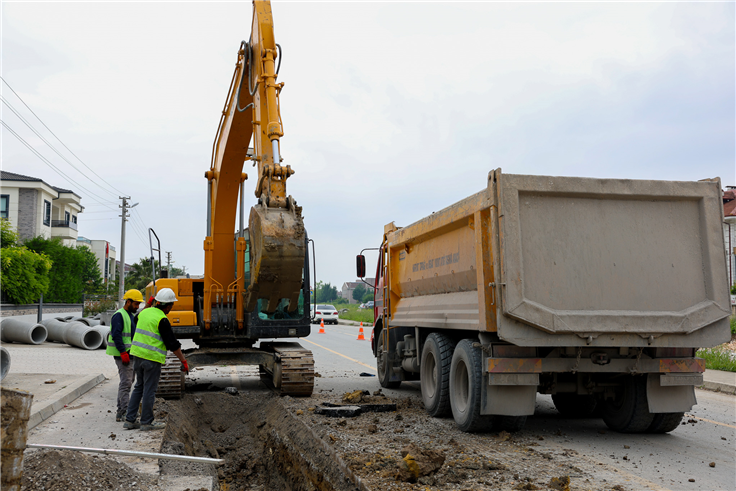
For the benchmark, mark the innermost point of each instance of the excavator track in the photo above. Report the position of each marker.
(294, 372)
(171, 383)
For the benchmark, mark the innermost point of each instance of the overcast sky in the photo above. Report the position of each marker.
(391, 110)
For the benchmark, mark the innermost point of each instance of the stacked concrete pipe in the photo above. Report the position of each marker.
(4, 362)
(79, 319)
(18, 331)
(56, 328)
(82, 336)
(93, 321)
(104, 331)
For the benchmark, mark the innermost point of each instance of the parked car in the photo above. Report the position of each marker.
(328, 313)
(369, 305)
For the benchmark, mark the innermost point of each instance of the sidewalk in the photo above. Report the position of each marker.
(719, 381)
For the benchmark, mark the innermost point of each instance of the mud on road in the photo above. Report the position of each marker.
(274, 443)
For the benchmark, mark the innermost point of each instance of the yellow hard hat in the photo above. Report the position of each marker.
(133, 295)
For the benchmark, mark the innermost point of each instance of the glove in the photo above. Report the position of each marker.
(185, 367)
(125, 357)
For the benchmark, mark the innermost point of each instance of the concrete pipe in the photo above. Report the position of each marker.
(82, 336)
(18, 331)
(79, 319)
(93, 321)
(55, 328)
(104, 331)
(67, 318)
(4, 362)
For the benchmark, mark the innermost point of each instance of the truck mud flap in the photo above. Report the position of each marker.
(669, 398)
(508, 400)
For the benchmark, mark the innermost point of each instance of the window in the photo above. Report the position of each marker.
(74, 218)
(4, 205)
(47, 213)
(66, 217)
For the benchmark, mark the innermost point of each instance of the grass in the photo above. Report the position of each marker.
(355, 314)
(717, 358)
(733, 324)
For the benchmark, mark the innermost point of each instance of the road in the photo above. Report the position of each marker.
(664, 462)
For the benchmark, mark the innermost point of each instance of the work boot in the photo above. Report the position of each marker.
(120, 415)
(131, 425)
(157, 425)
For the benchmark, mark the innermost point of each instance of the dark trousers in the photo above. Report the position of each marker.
(126, 374)
(147, 373)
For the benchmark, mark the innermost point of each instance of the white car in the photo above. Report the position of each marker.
(328, 313)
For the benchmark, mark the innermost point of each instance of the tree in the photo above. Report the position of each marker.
(140, 274)
(359, 293)
(74, 270)
(24, 273)
(368, 296)
(324, 292)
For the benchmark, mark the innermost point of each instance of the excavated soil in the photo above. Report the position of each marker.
(65, 470)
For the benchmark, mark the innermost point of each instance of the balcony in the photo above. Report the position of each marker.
(64, 229)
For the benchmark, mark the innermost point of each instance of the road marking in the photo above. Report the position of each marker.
(711, 421)
(339, 354)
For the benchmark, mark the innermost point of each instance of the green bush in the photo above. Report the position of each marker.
(733, 289)
(98, 306)
(25, 274)
(733, 324)
(74, 271)
(718, 358)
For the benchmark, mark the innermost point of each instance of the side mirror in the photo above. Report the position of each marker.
(360, 265)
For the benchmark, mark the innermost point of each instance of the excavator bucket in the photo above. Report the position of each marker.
(278, 247)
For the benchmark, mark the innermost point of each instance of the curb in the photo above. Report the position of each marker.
(63, 397)
(718, 387)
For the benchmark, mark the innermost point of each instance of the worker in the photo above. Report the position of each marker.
(122, 328)
(153, 337)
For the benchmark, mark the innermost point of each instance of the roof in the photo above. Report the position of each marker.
(729, 203)
(351, 285)
(12, 176)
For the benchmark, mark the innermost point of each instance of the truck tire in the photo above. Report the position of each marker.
(435, 374)
(512, 424)
(665, 422)
(382, 365)
(466, 381)
(575, 405)
(629, 411)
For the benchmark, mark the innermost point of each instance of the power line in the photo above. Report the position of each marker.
(47, 162)
(59, 139)
(49, 144)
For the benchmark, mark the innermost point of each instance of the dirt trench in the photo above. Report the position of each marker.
(264, 446)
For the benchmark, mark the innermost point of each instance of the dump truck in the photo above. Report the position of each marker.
(596, 291)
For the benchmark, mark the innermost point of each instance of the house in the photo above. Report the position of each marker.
(36, 208)
(350, 286)
(105, 253)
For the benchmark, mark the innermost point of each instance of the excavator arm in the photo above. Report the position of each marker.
(250, 130)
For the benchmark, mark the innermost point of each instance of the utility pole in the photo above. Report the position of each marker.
(125, 207)
(168, 263)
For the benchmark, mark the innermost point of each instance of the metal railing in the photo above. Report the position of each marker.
(64, 223)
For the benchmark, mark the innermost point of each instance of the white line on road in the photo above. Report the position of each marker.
(339, 354)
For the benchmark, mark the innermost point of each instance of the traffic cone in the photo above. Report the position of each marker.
(360, 333)
(322, 327)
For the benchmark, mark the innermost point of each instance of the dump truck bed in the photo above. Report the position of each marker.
(567, 261)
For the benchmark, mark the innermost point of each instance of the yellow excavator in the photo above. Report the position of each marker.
(256, 279)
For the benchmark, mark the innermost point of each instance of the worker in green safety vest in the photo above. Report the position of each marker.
(153, 337)
(122, 328)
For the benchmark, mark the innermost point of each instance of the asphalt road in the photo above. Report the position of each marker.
(665, 462)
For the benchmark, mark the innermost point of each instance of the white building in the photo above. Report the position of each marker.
(105, 253)
(36, 208)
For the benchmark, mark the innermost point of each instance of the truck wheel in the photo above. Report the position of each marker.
(382, 365)
(665, 422)
(575, 405)
(629, 411)
(466, 380)
(435, 374)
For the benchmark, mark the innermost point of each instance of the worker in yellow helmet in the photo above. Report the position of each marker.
(153, 338)
(122, 329)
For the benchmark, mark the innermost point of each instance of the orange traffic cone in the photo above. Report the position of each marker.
(322, 327)
(360, 333)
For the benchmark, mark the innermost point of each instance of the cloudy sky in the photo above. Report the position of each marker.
(391, 110)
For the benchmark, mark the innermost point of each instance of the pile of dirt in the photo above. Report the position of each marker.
(65, 470)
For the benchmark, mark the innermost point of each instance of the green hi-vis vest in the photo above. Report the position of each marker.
(147, 342)
(111, 349)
